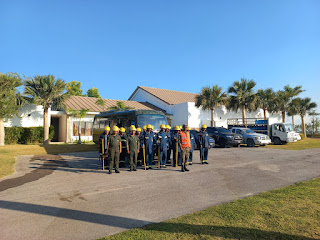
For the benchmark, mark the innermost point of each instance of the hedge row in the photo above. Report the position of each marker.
(25, 135)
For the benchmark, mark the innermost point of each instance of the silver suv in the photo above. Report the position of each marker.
(251, 138)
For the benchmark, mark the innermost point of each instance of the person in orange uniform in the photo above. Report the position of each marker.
(185, 145)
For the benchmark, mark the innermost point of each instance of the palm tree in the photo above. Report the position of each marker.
(242, 96)
(78, 114)
(210, 98)
(304, 105)
(293, 109)
(101, 103)
(120, 106)
(45, 90)
(283, 98)
(265, 98)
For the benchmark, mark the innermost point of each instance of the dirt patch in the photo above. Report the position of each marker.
(49, 164)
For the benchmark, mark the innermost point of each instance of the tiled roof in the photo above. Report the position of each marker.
(78, 102)
(171, 97)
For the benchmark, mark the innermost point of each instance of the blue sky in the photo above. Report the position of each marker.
(179, 45)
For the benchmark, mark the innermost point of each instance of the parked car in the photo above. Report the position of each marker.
(251, 138)
(224, 137)
(212, 142)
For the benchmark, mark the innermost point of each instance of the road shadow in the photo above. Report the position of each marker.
(71, 214)
(201, 231)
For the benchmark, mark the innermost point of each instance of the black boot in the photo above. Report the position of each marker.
(182, 169)
(186, 169)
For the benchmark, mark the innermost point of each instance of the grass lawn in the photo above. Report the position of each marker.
(306, 143)
(288, 213)
(9, 152)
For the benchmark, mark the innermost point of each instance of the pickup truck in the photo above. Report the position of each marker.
(251, 138)
(224, 137)
(212, 142)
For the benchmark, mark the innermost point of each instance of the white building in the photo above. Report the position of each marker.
(66, 126)
(179, 108)
(182, 107)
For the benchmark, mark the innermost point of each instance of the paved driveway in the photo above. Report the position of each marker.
(67, 197)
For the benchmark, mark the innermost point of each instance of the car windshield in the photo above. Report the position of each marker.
(153, 119)
(289, 127)
(223, 130)
(247, 131)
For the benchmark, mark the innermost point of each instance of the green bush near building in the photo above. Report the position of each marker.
(26, 135)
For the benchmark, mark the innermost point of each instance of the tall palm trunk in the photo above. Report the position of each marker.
(292, 121)
(244, 120)
(212, 117)
(304, 131)
(45, 126)
(283, 113)
(265, 114)
(2, 133)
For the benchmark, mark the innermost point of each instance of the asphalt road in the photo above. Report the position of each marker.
(67, 197)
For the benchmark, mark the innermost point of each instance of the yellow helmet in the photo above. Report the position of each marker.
(188, 128)
(152, 127)
(168, 127)
(122, 129)
(107, 128)
(138, 129)
(204, 126)
(115, 129)
(149, 126)
(163, 126)
(132, 128)
(177, 128)
(144, 127)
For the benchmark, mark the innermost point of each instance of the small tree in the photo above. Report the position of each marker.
(10, 99)
(120, 106)
(80, 114)
(304, 105)
(242, 96)
(74, 88)
(314, 121)
(93, 92)
(210, 98)
(45, 90)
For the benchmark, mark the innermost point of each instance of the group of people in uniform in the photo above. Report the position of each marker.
(143, 144)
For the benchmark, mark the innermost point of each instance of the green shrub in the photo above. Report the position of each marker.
(24, 135)
(13, 135)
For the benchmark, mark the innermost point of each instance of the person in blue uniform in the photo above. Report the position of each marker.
(148, 140)
(204, 144)
(168, 131)
(163, 144)
(175, 140)
(193, 145)
(140, 154)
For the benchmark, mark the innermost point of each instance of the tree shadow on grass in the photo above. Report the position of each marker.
(221, 231)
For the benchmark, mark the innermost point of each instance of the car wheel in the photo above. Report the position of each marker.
(277, 141)
(222, 144)
(250, 143)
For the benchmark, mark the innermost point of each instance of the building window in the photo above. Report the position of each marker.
(85, 130)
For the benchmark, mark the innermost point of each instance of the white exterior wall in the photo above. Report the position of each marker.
(180, 114)
(197, 116)
(143, 96)
(29, 116)
(88, 118)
